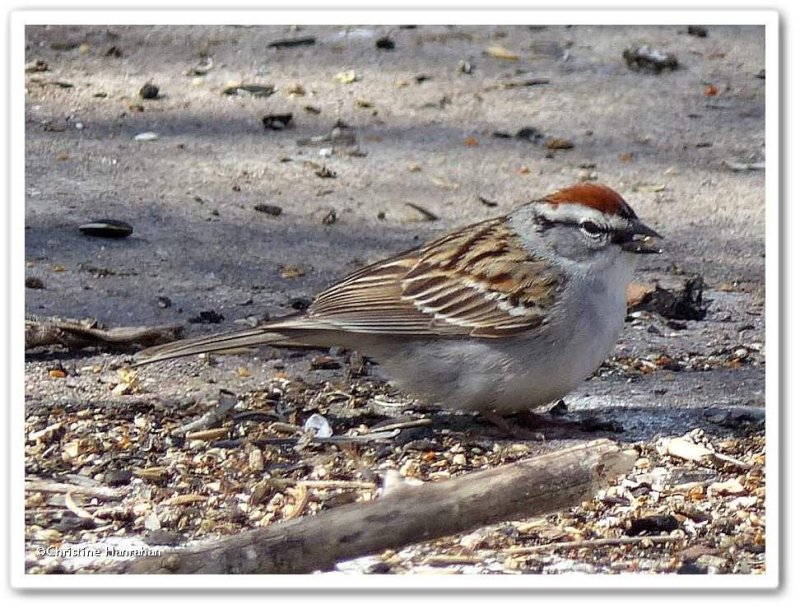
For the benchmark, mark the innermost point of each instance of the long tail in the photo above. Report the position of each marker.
(226, 341)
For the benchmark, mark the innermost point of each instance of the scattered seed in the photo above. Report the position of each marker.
(276, 122)
(427, 215)
(556, 143)
(324, 362)
(207, 317)
(744, 166)
(529, 134)
(647, 59)
(202, 68)
(295, 89)
(64, 46)
(208, 435)
(37, 65)
(527, 82)
(270, 210)
(347, 77)
(330, 217)
(108, 229)
(249, 90)
(324, 172)
(292, 42)
(697, 30)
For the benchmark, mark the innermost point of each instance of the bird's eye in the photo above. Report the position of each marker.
(590, 228)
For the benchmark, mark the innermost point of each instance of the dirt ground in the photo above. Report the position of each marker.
(444, 121)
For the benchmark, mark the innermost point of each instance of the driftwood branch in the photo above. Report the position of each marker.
(409, 515)
(76, 333)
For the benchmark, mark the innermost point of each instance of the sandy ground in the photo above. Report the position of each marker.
(426, 133)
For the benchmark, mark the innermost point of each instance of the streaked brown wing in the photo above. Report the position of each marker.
(478, 281)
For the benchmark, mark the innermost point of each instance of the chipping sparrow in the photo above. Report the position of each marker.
(497, 317)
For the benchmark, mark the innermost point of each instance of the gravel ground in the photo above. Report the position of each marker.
(441, 122)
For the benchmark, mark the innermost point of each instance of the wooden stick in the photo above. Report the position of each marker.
(408, 515)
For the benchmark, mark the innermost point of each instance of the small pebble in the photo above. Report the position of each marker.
(729, 487)
(147, 136)
(319, 425)
(148, 91)
(385, 43)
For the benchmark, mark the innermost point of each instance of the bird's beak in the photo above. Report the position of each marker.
(636, 239)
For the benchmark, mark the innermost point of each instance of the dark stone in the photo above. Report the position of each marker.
(656, 523)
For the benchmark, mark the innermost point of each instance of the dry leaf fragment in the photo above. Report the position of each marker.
(151, 473)
(295, 89)
(729, 487)
(444, 184)
(290, 271)
(184, 499)
(499, 52)
(346, 77)
(637, 292)
(557, 143)
(73, 507)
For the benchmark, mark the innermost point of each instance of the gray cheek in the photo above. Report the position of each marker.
(569, 243)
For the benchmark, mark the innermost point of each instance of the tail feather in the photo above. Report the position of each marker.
(226, 341)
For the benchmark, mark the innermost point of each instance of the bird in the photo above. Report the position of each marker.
(494, 318)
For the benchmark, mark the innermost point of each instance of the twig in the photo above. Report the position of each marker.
(210, 418)
(76, 333)
(589, 543)
(284, 482)
(401, 425)
(47, 486)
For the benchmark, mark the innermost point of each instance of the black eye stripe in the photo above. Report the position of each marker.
(591, 228)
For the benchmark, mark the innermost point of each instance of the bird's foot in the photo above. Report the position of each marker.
(512, 429)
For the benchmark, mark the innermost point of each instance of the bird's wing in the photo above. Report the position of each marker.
(478, 281)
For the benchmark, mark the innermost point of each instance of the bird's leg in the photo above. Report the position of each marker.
(510, 428)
